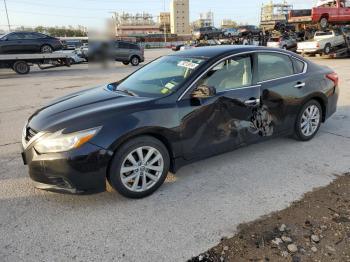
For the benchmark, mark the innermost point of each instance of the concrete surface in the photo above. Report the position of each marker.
(190, 212)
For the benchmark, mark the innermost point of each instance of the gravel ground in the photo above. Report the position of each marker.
(315, 228)
(190, 213)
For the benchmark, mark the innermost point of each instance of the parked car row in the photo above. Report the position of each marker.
(35, 43)
(210, 32)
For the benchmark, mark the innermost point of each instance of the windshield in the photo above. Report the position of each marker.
(161, 77)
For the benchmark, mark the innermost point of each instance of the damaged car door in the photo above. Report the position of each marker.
(283, 80)
(218, 111)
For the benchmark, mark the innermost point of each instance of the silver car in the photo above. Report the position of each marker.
(231, 32)
(284, 42)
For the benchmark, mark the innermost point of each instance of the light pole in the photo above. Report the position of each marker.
(164, 25)
(7, 15)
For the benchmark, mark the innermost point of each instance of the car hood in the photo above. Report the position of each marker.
(82, 107)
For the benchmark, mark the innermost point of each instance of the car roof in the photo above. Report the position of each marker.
(216, 51)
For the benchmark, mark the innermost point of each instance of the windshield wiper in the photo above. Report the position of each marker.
(125, 91)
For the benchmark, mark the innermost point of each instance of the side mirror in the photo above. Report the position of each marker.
(204, 91)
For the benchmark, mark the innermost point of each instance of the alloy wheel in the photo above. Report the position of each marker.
(310, 120)
(142, 168)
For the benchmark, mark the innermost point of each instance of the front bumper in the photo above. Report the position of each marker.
(79, 171)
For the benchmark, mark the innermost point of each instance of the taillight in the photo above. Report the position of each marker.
(334, 77)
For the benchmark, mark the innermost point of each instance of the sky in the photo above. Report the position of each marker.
(92, 13)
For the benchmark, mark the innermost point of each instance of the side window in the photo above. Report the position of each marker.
(298, 66)
(273, 65)
(233, 73)
(123, 45)
(14, 36)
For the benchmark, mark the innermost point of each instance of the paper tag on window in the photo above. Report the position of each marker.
(187, 64)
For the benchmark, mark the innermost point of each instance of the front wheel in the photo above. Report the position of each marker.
(139, 167)
(308, 121)
(46, 49)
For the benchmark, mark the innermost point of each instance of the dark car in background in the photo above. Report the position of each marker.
(71, 44)
(125, 52)
(177, 109)
(28, 42)
(208, 32)
(249, 30)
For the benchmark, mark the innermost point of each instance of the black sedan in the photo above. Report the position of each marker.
(175, 110)
(28, 42)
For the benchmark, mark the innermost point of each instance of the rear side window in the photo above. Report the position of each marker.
(298, 66)
(273, 65)
(128, 46)
(15, 36)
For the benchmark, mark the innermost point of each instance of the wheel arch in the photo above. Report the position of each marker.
(156, 133)
(47, 45)
(321, 99)
(134, 55)
(324, 15)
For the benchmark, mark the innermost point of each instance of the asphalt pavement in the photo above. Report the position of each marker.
(187, 215)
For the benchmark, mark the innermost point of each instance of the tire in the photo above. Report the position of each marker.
(129, 150)
(327, 49)
(284, 47)
(46, 49)
(126, 63)
(21, 67)
(300, 126)
(324, 22)
(135, 61)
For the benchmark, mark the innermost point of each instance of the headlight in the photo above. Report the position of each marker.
(59, 142)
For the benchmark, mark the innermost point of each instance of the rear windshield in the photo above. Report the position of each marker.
(323, 33)
(274, 39)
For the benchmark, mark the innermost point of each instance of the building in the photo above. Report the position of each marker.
(205, 19)
(135, 24)
(271, 14)
(164, 21)
(228, 23)
(180, 17)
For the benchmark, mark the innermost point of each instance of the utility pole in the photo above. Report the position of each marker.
(7, 15)
(164, 25)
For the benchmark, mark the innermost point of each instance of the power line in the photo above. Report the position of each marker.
(7, 15)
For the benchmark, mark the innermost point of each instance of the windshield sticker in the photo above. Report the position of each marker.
(165, 91)
(187, 64)
(169, 85)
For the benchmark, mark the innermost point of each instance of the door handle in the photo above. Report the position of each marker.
(252, 101)
(299, 85)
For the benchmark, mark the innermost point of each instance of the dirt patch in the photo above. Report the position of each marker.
(316, 228)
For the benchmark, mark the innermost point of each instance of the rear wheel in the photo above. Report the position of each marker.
(139, 167)
(324, 22)
(308, 121)
(21, 67)
(126, 63)
(135, 61)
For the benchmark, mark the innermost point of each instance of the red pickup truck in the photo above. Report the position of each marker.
(326, 12)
